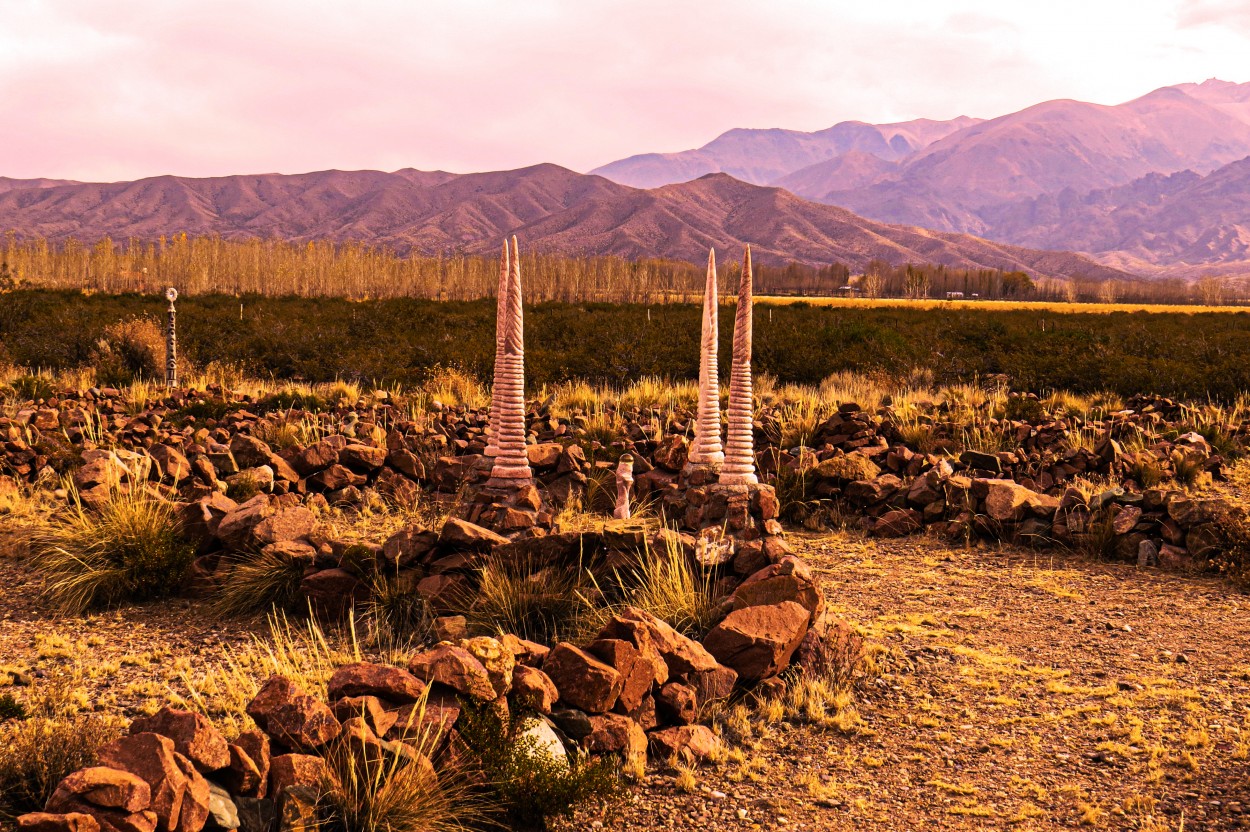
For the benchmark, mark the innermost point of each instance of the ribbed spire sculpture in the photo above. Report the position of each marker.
(512, 467)
(739, 467)
(501, 317)
(706, 450)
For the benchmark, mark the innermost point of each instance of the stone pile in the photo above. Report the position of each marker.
(639, 685)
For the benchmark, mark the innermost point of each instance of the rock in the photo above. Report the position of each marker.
(368, 679)
(427, 724)
(297, 809)
(617, 734)
(677, 704)
(498, 661)
(368, 708)
(333, 592)
(533, 689)
(408, 546)
(1006, 501)
(526, 652)
(680, 654)
(451, 628)
(103, 787)
(291, 771)
(979, 461)
(151, 758)
(288, 524)
(170, 462)
(252, 452)
(583, 681)
(194, 800)
(222, 813)
(545, 741)
(194, 736)
(292, 717)
(255, 814)
(445, 593)
(788, 580)
(46, 822)
(899, 522)
(461, 534)
(455, 667)
(848, 468)
(758, 642)
(336, 478)
(235, 529)
(637, 673)
(690, 743)
(364, 459)
(316, 457)
(248, 772)
(545, 455)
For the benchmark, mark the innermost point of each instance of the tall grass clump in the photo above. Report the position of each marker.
(668, 585)
(538, 601)
(130, 550)
(48, 741)
(260, 582)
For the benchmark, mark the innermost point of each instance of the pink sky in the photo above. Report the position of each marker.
(119, 89)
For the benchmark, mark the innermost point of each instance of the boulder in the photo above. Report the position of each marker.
(788, 580)
(369, 708)
(680, 655)
(290, 771)
(583, 681)
(316, 457)
(677, 704)
(151, 758)
(170, 462)
(235, 529)
(617, 734)
(248, 772)
(408, 546)
(461, 534)
(287, 524)
(292, 717)
(533, 689)
(758, 642)
(455, 667)
(1005, 500)
(223, 813)
(194, 800)
(637, 674)
(336, 478)
(47, 822)
(427, 723)
(499, 662)
(364, 459)
(690, 743)
(103, 787)
(194, 736)
(375, 680)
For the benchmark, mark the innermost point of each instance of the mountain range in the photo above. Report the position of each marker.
(547, 206)
(1060, 174)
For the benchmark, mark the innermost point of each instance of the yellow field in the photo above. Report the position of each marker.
(1001, 305)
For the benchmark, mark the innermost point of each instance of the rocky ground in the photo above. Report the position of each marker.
(1016, 691)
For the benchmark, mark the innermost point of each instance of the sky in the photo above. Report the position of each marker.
(105, 90)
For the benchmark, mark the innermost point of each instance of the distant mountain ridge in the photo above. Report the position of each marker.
(985, 176)
(549, 207)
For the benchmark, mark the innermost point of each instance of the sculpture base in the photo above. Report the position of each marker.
(735, 526)
(507, 507)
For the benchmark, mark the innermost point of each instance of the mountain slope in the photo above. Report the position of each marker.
(765, 156)
(549, 207)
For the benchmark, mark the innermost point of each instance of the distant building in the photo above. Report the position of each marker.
(850, 291)
(954, 295)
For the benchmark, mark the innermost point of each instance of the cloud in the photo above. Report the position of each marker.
(110, 89)
(1233, 14)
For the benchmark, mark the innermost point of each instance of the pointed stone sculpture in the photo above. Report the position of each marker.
(501, 319)
(512, 467)
(739, 466)
(624, 482)
(705, 451)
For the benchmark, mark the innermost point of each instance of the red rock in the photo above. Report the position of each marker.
(103, 787)
(692, 743)
(248, 773)
(195, 800)
(497, 659)
(680, 654)
(637, 673)
(526, 652)
(287, 524)
(275, 693)
(531, 688)
(289, 771)
(171, 464)
(757, 642)
(316, 457)
(369, 708)
(677, 704)
(363, 458)
(193, 735)
(304, 723)
(617, 734)
(444, 593)
(336, 477)
(897, 523)
(45, 822)
(461, 534)
(408, 546)
(151, 758)
(333, 592)
(428, 722)
(583, 681)
(455, 667)
(368, 679)
(788, 580)
(235, 528)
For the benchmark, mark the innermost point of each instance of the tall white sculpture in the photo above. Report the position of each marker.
(501, 318)
(706, 450)
(512, 467)
(739, 467)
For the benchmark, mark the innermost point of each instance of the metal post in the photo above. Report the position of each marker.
(171, 342)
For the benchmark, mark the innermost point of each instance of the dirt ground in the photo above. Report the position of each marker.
(1017, 691)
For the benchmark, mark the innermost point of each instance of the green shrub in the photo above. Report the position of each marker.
(290, 400)
(32, 388)
(129, 350)
(130, 550)
(10, 708)
(530, 785)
